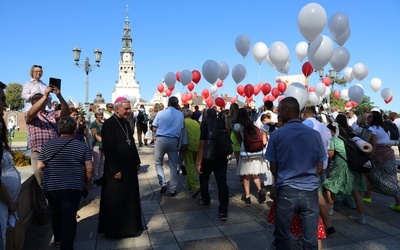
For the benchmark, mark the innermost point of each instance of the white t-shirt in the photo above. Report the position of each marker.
(323, 131)
(274, 118)
(397, 122)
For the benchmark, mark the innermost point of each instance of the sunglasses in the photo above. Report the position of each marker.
(36, 66)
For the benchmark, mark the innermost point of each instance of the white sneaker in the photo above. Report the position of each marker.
(330, 209)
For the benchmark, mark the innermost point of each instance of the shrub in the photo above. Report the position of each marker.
(21, 159)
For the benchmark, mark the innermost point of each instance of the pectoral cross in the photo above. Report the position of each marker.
(128, 141)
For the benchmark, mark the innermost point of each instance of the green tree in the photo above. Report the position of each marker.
(13, 96)
(341, 104)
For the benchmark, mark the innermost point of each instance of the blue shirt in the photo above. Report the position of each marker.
(169, 122)
(296, 149)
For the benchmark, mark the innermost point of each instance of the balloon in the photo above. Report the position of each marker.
(189, 96)
(196, 76)
(184, 98)
(238, 73)
(249, 99)
(386, 93)
(266, 88)
(359, 84)
(389, 100)
(311, 89)
(298, 91)
(326, 81)
(223, 70)
(186, 77)
(342, 40)
(314, 99)
(257, 89)
(340, 58)
(269, 60)
(260, 51)
(171, 88)
(214, 89)
(275, 92)
(178, 76)
(349, 105)
(240, 89)
(209, 103)
(375, 84)
(268, 98)
(354, 104)
(301, 50)
(131, 98)
(170, 79)
(219, 83)
(282, 86)
(220, 102)
(168, 92)
(248, 90)
(320, 51)
(210, 71)
(307, 69)
(336, 95)
(327, 92)
(243, 44)
(311, 21)
(280, 98)
(233, 100)
(190, 86)
(356, 93)
(344, 94)
(338, 24)
(320, 89)
(160, 87)
(278, 54)
(285, 69)
(205, 93)
(348, 74)
(360, 71)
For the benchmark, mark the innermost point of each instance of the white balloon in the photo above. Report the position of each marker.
(238, 73)
(260, 51)
(210, 71)
(344, 94)
(342, 40)
(311, 21)
(279, 54)
(285, 69)
(327, 92)
(186, 77)
(314, 99)
(170, 79)
(269, 60)
(320, 52)
(348, 74)
(340, 58)
(359, 84)
(223, 70)
(375, 84)
(301, 50)
(298, 91)
(320, 88)
(386, 93)
(243, 44)
(356, 94)
(338, 24)
(360, 71)
(213, 89)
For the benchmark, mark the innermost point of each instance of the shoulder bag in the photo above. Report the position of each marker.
(183, 139)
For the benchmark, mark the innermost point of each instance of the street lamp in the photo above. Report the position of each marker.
(87, 68)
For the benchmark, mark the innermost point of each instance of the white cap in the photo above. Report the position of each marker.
(376, 109)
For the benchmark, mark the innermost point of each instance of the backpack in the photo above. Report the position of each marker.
(252, 140)
(141, 117)
(218, 140)
(394, 131)
(357, 160)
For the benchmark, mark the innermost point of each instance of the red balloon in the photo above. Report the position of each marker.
(184, 98)
(196, 76)
(189, 96)
(233, 100)
(282, 86)
(220, 83)
(178, 76)
(275, 92)
(257, 89)
(354, 104)
(307, 69)
(160, 87)
(336, 95)
(240, 89)
(389, 100)
(311, 89)
(248, 90)
(220, 102)
(209, 103)
(172, 88)
(205, 93)
(168, 92)
(280, 98)
(266, 88)
(268, 98)
(349, 104)
(326, 81)
(249, 99)
(190, 86)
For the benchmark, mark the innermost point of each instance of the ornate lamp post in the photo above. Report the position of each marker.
(87, 67)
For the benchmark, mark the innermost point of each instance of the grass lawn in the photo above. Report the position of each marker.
(19, 136)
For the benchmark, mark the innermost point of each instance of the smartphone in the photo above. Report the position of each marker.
(55, 82)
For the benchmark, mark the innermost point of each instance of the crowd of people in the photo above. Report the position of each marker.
(298, 166)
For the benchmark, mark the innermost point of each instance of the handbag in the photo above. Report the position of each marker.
(183, 139)
(148, 135)
(15, 234)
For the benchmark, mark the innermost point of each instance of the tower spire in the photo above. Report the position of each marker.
(127, 39)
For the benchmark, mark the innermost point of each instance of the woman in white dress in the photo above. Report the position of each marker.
(249, 167)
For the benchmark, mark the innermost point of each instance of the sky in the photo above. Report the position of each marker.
(172, 36)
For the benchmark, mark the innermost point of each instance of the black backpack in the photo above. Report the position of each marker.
(218, 140)
(141, 117)
(394, 131)
(357, 160)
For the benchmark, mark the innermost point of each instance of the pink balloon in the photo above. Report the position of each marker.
(160, 87)
(269, 98)
(168, 92)
(326, 81)
(190, 86)
(209, 103)
(336, 94)
(311, 89)
(240, 89)
(233, 100)
(220, 83)
(275, 92)
(205, 93)
(349, 104)
(257, 89)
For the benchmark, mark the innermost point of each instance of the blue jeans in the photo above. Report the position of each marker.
(169, 146)
(288, 202)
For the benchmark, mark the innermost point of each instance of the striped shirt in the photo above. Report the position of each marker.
(40, 130)
(66, 169)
